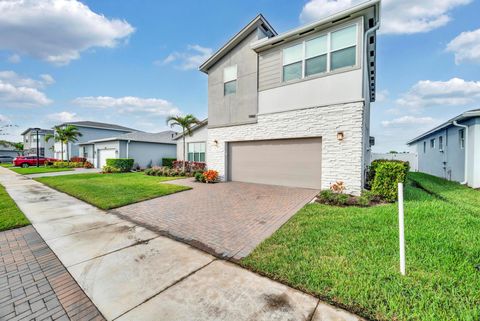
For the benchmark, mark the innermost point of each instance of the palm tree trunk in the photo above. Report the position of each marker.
(61, 150)
(66, 151)
(184, 150)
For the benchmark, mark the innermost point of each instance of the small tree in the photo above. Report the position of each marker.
(186, 123)
(18, 146)
(58, 136)
(70, 134)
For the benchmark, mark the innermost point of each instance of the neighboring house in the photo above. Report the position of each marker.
(452, 149)
(294, 108)
(411, 158)
(9, 151)
(145, 148)
(195, 143)
(90, 131)
(30, 142)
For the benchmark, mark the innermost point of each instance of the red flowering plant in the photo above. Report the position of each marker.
(210, 176)
(77, 159)
(337, 187)
(190, 166)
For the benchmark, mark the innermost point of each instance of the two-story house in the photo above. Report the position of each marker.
(293, 109)
(30, 142)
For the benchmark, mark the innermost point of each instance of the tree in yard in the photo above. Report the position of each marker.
(18, 146)
(64, 135)
(186, 123)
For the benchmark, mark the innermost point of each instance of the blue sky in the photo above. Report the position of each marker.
(135, 62)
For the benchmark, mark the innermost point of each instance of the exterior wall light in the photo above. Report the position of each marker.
(340, 136)
(216, 142)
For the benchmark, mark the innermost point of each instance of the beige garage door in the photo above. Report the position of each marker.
(288, 162)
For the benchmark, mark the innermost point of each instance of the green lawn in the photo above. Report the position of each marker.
(10, 214)
(6, 165)
(108, 191)
(38, 170)
(349, 256)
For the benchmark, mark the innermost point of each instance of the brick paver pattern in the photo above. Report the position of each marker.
(34, 285)
(226, 219)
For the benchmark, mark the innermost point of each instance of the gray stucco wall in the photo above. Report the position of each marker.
(449, 164)
(234, 108)
(143, 153)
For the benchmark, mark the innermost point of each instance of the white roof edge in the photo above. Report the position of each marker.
(465, 115)
(219, 53)
(265, 42)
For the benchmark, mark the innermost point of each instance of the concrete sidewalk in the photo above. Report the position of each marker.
(131, 273)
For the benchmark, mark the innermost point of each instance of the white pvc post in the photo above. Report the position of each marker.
(401, 228)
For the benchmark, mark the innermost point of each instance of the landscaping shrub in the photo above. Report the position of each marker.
(164, 171)
(67, 165)
(199, 177)
(373, 168)
(87, 165)
(210, 176)
(123, 164)
(168, 162)
(387, 176)
(77, 159)
(107, 169)
(330, 197)
(189, 166)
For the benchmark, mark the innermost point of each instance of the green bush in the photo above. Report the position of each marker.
(168, 162)
(199, 177)
(123, 164)
(110, 169)
(67, 165)
(387, 176)
(329, 197)
(373, 169)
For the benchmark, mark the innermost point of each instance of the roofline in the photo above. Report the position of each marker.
(194, 128)
(97, 127)
(466, 115)
(111, 139)
(261, 44)
(31, 128)
(219, 53)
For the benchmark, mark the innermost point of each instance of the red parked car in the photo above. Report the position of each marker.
(26, 161)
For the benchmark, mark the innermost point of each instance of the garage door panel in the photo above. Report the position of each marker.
(104, 154)
(288, 162)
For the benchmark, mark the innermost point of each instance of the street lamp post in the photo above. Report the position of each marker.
(38, 149)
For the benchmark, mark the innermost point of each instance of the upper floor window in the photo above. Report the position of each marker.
(440, 143)
(230, 80)
(322, 54)
(432, 143)
(461, 138)
(424, 147)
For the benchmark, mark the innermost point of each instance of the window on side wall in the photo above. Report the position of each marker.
(461, 138)
(196, 152)
(424, 147)
(230, 80)
(440, 143)
(432, 143)
(344, 48)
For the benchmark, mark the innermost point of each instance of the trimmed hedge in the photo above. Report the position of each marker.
(67, 165)
(386, 178)
(168, 162)
(123, 164)
(373, 168)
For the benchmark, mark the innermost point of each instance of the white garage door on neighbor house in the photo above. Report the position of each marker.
(104, 154)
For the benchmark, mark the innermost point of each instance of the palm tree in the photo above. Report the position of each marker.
(18, 146)
(70, 134)
(186, 123)
(58, 136)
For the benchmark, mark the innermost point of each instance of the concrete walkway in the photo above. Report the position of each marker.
(75, 171)
(131, 273)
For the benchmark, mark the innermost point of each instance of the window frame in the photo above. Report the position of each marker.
(440, 143)
(195, 152)
(328, 54)
(432, 143)
(461, 138)
(230, 81)
(425, 147)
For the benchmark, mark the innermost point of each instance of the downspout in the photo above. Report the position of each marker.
(128, 143)
(465, 180)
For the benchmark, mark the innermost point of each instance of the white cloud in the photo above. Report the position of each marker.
(56, 31)
(4, 118)
(192, 58)
(398, 16)
(18, 91)
(407, 121)
(453, 92)
(14, 59)
(382, 96)
(148, 106)
(466, 47)
(63, 116)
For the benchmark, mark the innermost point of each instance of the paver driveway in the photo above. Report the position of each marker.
(226, 219)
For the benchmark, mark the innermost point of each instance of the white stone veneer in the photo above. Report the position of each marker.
(341, 160)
